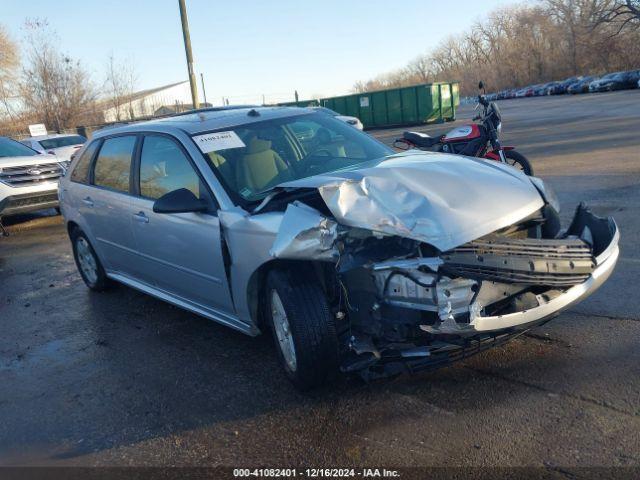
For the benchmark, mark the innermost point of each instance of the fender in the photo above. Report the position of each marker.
(493, 155)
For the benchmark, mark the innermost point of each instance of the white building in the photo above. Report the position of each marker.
(172, 98)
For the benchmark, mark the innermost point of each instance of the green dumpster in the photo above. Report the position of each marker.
(426, 103)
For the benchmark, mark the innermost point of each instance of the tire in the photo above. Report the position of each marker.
(519, 161)
(309, 353)
(85, 256)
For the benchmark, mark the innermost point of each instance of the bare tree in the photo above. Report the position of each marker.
(525, 44)
(621, 14)
(420, 67)
(8, 70)
(54, 88)
(120, 85)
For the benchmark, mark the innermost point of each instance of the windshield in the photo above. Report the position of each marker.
(252, 159)
(11, 148)
(58, 142)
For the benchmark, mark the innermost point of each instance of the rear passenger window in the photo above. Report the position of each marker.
(113, 165)
(165, 168)
(80, 172)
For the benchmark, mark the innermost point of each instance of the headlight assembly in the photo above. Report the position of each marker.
(547, 193)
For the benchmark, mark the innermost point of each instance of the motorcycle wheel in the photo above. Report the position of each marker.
(519, 161)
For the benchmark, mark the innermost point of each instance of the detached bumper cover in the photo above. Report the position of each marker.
(604, 236)
(552, 307)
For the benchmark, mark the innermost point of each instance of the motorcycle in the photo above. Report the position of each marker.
(474, 140)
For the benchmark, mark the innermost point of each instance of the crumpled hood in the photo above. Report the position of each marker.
(444, 200)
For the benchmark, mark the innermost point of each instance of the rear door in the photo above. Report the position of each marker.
(181, 253)
(105, 204)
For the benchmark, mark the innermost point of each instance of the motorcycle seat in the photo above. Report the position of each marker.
(421, 139)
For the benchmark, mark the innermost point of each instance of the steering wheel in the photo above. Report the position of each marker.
(322, 152)
(316, 159)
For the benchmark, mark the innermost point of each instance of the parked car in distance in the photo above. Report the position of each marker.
(540, 90)
(353, 121)
(616, 81)
(581, 86)
(521, 92)
(511, 93)
(604, 83)
(61, 145)
(628, 80)
(561, 87)
(28, 180)
(549, 88)
(355, 257)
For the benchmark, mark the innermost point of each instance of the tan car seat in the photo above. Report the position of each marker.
(324, 142)
(259, 166)
(224, 167)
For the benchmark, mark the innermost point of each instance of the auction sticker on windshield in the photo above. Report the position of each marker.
(211, 142)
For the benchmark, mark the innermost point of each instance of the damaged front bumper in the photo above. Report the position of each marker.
(411, 306)
(521, 283)
(546, 307)
(463, 315)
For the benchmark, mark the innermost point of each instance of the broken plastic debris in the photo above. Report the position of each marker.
(305, 234)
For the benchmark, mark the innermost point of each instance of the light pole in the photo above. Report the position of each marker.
(187, 49)
(204, 92)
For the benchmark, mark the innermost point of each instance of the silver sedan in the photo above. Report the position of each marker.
(356, 258)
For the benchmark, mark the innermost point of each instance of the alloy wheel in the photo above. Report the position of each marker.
(86, 260)
(283, 331)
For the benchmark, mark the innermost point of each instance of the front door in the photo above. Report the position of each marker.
(181, 253)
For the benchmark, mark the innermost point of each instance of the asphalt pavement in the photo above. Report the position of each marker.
(120, 378)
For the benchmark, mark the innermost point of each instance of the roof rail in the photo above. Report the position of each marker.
(212, 109)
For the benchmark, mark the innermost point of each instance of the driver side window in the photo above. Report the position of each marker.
(165, 168)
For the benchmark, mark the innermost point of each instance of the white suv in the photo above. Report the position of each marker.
(28, 179)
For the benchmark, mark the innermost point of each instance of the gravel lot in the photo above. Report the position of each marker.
(120, 378)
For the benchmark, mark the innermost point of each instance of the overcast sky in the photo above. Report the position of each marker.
(249, 48)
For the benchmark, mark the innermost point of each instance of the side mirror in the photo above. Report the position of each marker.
(179, 201)
(480, 85)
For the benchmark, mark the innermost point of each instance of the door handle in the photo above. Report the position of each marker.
(141, 217)
(87, 201)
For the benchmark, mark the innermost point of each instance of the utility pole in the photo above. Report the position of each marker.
(204, 92)
(187, 49)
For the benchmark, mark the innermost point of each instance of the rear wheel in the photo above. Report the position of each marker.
(303, 328)
(518, 161)
(88, 263)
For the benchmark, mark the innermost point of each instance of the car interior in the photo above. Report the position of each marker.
(276, 153)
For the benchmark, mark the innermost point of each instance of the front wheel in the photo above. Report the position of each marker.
(303, 327)
(519, 161)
